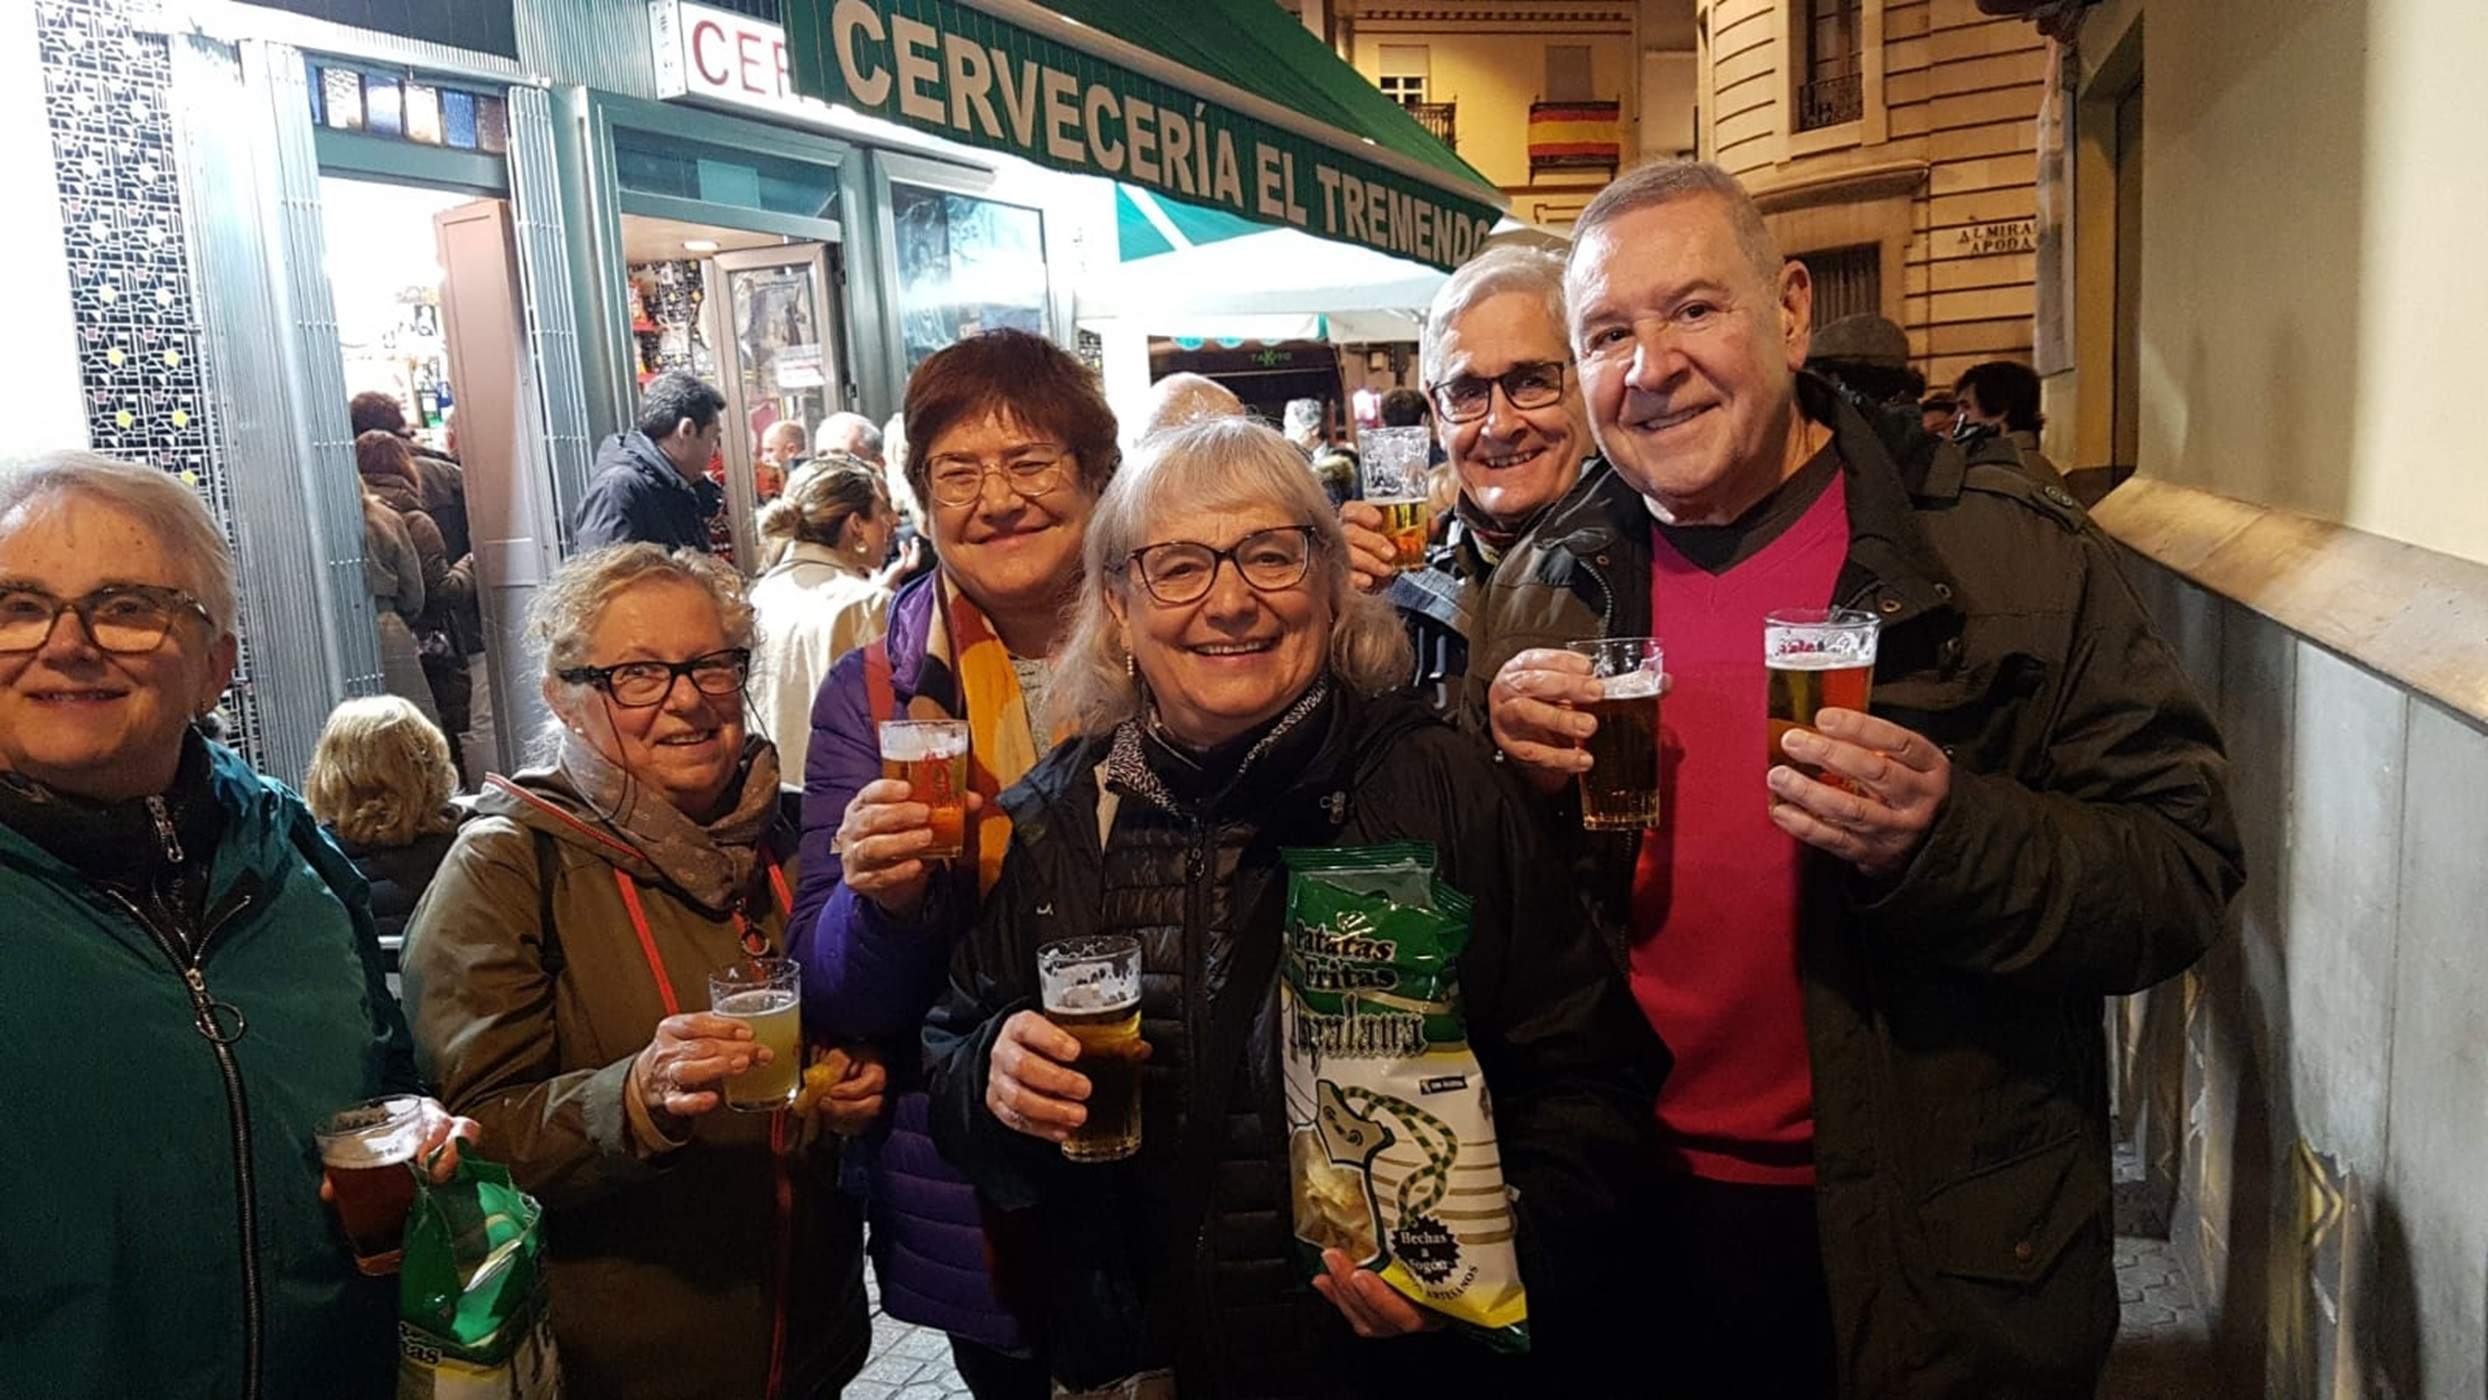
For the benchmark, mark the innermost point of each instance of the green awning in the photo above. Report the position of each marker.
(1229, 105)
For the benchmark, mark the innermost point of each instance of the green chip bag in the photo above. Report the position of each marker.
(474, 1319)
(1390, 1133)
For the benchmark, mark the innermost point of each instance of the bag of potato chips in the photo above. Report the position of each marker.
(1390, 1133)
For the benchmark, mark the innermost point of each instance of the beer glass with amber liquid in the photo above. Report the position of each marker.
(1817, 658)
(765, 994)
(1091, 987)
(931, 757)
(1621, 790)
(1393, 465)
(368, 1151)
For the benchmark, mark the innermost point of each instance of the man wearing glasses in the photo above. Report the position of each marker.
(1507, 410)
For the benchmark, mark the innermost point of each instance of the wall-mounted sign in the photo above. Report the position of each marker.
(721, 56)
(2010, 236)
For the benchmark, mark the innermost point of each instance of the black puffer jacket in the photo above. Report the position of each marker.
(1192, 868)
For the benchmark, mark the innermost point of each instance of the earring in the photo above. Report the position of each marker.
(1131, 668)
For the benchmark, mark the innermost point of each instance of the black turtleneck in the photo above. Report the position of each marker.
(1197, 777)
(122, 847)
(1715, 549)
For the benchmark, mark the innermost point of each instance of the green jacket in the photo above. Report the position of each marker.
(670, 1270)
(1953, 1017)
(162, 1233)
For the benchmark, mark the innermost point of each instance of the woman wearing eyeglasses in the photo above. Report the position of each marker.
(1507, 410)
(179, 920)
(1009, 442)
(556, 975)
(1231, 690)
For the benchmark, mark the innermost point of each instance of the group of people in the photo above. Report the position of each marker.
(1799, 1092)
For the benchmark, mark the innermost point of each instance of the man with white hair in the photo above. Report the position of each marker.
(851, 433)
(1507, 411)
(1875, 943)
(1185, 397)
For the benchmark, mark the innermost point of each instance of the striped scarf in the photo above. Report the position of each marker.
(966, 667)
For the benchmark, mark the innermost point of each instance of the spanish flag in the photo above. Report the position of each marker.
(1575, 135)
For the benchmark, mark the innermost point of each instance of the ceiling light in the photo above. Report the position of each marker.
(699, 245)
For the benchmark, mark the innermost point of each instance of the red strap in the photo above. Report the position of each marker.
(647, 941)
(878, 692)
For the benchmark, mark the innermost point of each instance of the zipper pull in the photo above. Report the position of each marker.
(211, 1012)
(164, 829)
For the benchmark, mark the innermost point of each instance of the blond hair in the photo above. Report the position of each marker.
(1212, 464)
(381, 774)
(819, 499)
(568, 605)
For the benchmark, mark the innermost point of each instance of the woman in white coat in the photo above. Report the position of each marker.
(827, 594)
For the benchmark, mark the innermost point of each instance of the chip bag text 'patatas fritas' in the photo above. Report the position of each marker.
(1390, 1133)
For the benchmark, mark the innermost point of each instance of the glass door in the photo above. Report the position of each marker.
(777, 363)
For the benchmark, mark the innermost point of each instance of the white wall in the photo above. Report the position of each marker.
(49, 405)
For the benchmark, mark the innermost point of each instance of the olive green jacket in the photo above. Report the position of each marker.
(530, 995)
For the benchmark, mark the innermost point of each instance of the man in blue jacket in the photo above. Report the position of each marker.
(652, 482)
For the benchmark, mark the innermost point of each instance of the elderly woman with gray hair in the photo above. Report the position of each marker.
(558, 979)
(1507, 410)
(180, 924)
(1228, 684)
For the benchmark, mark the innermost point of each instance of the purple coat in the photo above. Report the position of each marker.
(871, 977)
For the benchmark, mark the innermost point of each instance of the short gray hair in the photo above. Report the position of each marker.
(1510, 268)
(168, 506)
(1185, 397)
(1665, 182)
(568, 605)
(1216, 463)
(1302, 416)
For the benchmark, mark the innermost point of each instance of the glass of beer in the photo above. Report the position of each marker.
(369, 1151)
(931, 757)
(1621, 790)
(1393, 464)
(1091, 988)
(1817, 658)
(767, 995)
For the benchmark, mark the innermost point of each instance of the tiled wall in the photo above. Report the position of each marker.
(2331, 1080)
(121, 217)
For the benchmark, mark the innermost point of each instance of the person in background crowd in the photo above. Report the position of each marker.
(1010, 442)
(827, 594)
(393, 571)
(651, 483)
(1333, 466)
(1230, 689)
(165, 1233)
(2002, 396)
(1301, 420)
(388, 472)
(1508, 415)
(556, 979)
(381, 783)
(1185, 397)
(443, 481)
(1938, 413)
(909, 543)
(1866, 357)
(1887, 1131)
(852, 434)
(783, 449)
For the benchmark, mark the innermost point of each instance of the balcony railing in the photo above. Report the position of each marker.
(1437, 119)
(1830, 101)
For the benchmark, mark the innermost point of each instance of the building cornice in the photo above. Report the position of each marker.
(1884, 180)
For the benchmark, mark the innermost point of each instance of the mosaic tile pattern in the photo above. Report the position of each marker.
(121, 216)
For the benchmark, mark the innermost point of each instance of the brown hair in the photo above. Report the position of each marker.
(381, 774)
(1023, 378)
(384, 454)
(373, 410)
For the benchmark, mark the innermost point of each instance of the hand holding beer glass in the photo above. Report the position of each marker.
(369, 1154)
(1620, 788)
(1071, 1074)
(766, 995)
(897, 827)
(1392, 464)
(1862, 788)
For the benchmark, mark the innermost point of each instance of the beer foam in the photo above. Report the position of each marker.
(763, 1001)
(1094, 996)
(909, 744)
(1632, 685)
(1819, 661)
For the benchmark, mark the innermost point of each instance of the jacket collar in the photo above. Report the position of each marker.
(911, 624)
(1892, 568)
(650, 461)
(806, 553)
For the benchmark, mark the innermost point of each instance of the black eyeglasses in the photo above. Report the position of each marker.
(637, 685)
(1533, 384)
(1184, 571)
(957, 479)
(125, 619)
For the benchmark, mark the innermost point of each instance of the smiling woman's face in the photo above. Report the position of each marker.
(689, 745)
(1236, 656)
(1007, 551)
(79, 719)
